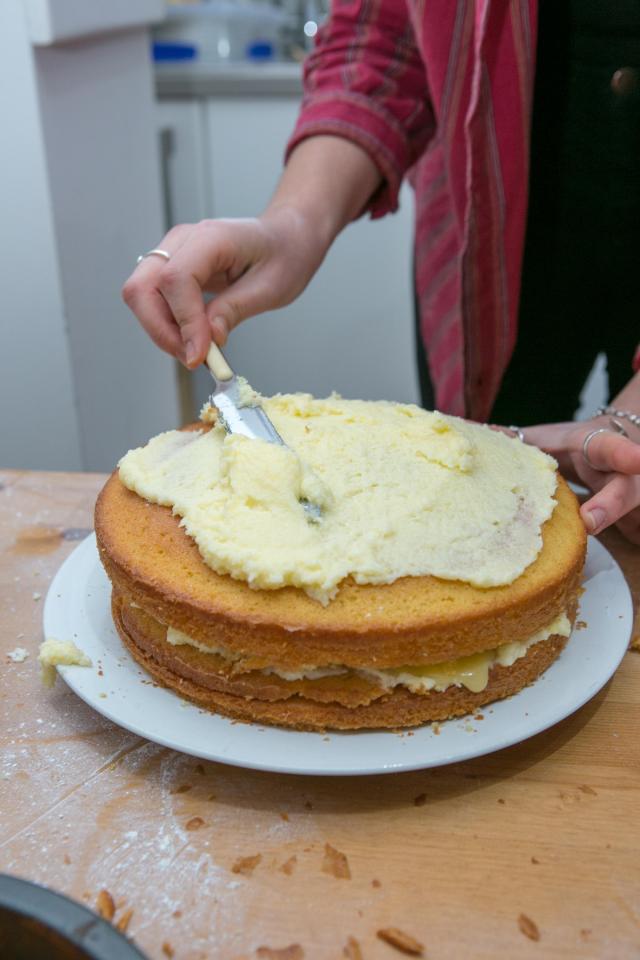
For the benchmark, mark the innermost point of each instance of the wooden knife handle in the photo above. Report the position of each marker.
(217, 363)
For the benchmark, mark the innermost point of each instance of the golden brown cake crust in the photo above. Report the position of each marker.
(391, 710)
(218, 673)
(416, 620)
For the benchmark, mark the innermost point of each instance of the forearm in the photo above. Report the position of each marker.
(629, 396)
(365, 82)
(327, 182)
(627, 402)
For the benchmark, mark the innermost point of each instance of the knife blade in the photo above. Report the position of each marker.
(239, 418)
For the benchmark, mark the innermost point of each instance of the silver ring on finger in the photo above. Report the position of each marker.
(587, 440)
(517, 432)
(156, 252)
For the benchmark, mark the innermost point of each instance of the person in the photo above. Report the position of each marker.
(447, 91)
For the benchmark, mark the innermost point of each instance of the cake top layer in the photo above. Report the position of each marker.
(404, 492)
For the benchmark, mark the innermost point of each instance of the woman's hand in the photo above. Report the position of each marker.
(612, 472)
(251, 265)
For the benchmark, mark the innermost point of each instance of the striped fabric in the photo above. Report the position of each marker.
(441, 89)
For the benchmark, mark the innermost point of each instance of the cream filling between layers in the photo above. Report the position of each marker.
(471, 672)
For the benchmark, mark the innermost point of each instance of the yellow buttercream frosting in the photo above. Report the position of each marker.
(54, 653)
(403, 492)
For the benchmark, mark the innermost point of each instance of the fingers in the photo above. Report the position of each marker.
(217, 327)
(614, 500)
(167, 296)
(629, 526)
(208, 256)
(610, 452)
(183, 295)
(550, 437)
(613, 470)
(252, 294)
(181, 282)
(142, 296)
(152, 311)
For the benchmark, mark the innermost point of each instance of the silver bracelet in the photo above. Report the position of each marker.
(633, 418)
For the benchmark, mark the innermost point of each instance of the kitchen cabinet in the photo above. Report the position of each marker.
(183, 161)
(79, 381)
(352, 329)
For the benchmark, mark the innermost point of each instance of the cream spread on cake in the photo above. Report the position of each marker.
(470, 672)
(403, 492)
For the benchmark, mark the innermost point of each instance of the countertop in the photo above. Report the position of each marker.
(188, 80)
(533, 851)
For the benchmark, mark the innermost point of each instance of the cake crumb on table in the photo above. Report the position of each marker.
(194, 823)
(585, 788)
(401, 941)
(352, 950)
(246, 865)
(528, 927)
(289, 865)
(105, 905)
(335, 863)
(19, 655)
(167, 949)
(293, 952)
(123, 922)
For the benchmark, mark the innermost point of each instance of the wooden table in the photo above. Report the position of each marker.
(453, 856)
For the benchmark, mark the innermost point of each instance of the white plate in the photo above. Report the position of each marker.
(78, 608)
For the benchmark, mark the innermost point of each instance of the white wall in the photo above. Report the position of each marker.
(38, 419)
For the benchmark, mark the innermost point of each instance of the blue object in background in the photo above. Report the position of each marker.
(260, 50)
(174, 51)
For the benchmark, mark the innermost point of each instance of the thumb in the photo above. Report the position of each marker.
(245, 298)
